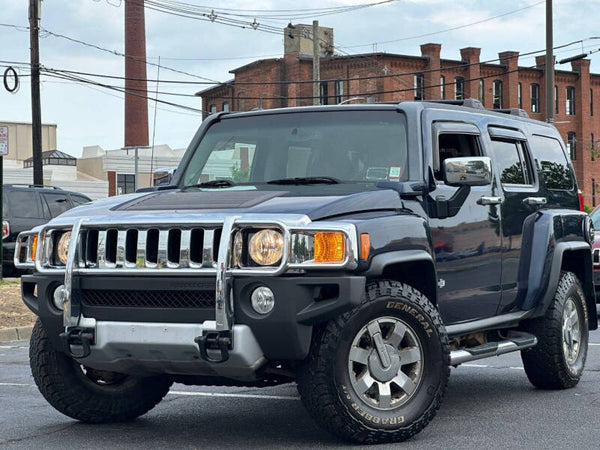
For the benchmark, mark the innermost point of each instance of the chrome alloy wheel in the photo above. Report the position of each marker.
(571, 331)
(385, 363)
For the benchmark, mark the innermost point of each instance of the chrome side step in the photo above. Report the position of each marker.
(517, 341)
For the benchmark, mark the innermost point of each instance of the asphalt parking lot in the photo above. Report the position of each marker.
(489, 404)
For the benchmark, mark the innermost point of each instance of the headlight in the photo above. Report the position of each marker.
(266, 247)
(62, 248)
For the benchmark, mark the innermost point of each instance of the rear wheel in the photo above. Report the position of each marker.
(87, 394)
(378, 373)
(558, 360)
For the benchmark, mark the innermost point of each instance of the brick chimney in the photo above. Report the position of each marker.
(136, 105)
(432, 76)
(510, 60)
(470, 55)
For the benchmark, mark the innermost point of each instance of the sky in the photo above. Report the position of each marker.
(91, 115)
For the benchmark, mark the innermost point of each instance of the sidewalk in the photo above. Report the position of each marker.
(15, 334)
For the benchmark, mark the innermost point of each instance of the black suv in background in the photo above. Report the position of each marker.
(27, 206)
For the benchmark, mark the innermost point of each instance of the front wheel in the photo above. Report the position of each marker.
(557, 361)
(378, 373)
(86, 394)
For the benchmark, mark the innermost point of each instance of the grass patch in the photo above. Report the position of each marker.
(10, 283)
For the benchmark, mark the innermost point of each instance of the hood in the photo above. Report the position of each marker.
(230, 201)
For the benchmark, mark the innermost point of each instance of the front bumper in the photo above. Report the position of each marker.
(161, 340)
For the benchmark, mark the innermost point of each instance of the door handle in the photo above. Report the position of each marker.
(535, 201)
(483, 200)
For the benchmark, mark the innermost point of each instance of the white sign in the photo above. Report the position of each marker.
(3, 140)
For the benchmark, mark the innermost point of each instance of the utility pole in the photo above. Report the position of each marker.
(316, 63)
(549, 65)
(36, 109)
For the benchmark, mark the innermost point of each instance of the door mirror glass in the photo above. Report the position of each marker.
(469, 171)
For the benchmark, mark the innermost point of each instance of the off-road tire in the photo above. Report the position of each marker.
(65, 385)
(323, 378)
(545, 364)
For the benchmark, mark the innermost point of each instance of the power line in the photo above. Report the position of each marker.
(459, 27)
(114, 52)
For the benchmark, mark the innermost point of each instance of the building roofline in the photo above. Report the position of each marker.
(12, 122)
(253, 63)
(208, 89)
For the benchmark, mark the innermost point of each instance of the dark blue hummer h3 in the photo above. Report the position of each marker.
(358, 250)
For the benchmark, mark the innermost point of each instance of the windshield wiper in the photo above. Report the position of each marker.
(305, 180)
(211, 184)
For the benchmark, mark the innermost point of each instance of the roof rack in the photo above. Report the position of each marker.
(468, 102)
(44, 186)
(513, 112)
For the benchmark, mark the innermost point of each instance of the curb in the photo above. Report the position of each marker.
(15, 334)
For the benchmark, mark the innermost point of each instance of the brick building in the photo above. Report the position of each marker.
(376, 77)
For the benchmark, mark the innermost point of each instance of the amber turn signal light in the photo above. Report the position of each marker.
(34, 243)
(365, 246)
(330, 247)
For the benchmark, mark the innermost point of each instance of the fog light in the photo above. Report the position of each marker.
(58, 298)
(263, 300)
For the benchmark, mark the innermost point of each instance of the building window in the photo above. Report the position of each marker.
(480, 92)
(592, 149)
(572, 145)
(593, 192)
(125, 183)
(419, 86)
(497, 93)
(213, 109)
(339, 91)
(459, 88)
(555, 99)
(535, 98)
(520, 95)
(226, 106)
(592, 102)
(570, 104)
(442, 87)
(324, 93)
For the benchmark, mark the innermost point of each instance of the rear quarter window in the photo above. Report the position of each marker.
(552, 163)
(23, 204)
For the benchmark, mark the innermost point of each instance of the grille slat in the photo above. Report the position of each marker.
(120, 259)
(148, 299)
(163, 241)
(184, 248)
(141, 249)
(102, 249)
(207, 248)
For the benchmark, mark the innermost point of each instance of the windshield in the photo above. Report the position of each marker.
(349, 146)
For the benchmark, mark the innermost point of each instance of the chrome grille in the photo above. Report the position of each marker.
(149, 248)
(148, 299)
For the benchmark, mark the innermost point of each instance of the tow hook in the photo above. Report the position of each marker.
(214, 340)
(78, 336)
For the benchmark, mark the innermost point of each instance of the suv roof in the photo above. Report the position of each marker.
(468, 105)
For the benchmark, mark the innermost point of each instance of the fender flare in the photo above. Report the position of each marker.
(380, 262)
(541, 265)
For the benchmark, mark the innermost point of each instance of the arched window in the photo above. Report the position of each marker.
(442, 87)
(459, 88)
(535, 98)
(497, 92)
(570, 105)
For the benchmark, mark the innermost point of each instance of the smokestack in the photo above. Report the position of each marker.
(136, 103)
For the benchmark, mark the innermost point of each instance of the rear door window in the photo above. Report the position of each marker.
(57, 203)
(24, 204)
(511, 162)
